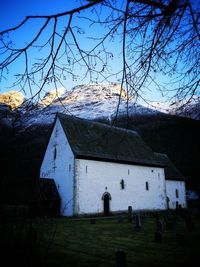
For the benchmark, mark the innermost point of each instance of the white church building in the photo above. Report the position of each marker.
(101, 169)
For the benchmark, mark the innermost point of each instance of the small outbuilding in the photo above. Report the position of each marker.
(175, 183)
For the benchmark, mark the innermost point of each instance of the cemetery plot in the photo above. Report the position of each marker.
(115, 241)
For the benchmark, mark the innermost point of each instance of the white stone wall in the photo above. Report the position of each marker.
(94, 178)
(171, 187)
(58, 164)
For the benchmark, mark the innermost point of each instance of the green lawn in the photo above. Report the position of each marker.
(71, 242)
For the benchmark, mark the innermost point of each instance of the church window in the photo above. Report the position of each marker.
(147, 186)
(86, 169)
(55, 153)
(128, 171)
(69, 167)
(177, 193)
(122, 184)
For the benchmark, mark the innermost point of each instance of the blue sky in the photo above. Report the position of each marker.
(13, 12)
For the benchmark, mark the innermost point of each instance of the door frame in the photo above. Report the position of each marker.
(106, 203)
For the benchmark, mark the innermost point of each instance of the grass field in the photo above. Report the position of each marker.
(71, 242)
(64, 242)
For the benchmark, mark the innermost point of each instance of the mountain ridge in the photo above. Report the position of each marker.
(91, 101)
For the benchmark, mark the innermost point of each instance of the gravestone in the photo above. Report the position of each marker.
(169, 221)
(157, 219)
(180, 239)
(130, 214)
(169, 225)
(120, 258)
(159, 225)
(143, 218)
(189, 223)
(32, 237)
(92, 221)
(137, 222)
(158, 237)
(120, 219)
(179, 209)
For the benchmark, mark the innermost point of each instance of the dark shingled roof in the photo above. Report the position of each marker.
(99, 141)
(171, 172)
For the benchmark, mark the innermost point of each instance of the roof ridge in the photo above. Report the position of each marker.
(97, 123)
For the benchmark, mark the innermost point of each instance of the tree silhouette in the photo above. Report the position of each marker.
(156, 37)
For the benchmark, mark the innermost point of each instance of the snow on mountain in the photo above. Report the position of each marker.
(190, 110)
(13, 99)
(163, 107)
(51, 96)
(9, 102)
(91, 101)
(86, 101)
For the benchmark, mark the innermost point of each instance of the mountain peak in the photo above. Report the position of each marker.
(51, 96)
(111, 89)
(13, 99)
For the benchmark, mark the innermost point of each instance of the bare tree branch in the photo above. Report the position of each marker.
(153, 36)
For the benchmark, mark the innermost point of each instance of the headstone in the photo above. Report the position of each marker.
(180, 239)
(179, 209)
(143, 218)
(157, 219)
(92, 221)
(159, 225)
(158, 237)
(120, 219)
(189, 223)
(130, 214)
(177, 206)
(32, 237)
(120, 258)
(169, 225)
(169, 220)
(137, 222)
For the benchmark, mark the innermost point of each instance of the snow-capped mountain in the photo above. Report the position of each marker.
(91, 101)
(190, 109)
(163, 107)
(13, 99)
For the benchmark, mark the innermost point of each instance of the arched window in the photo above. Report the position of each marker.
(147, 186)
(177, 193)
